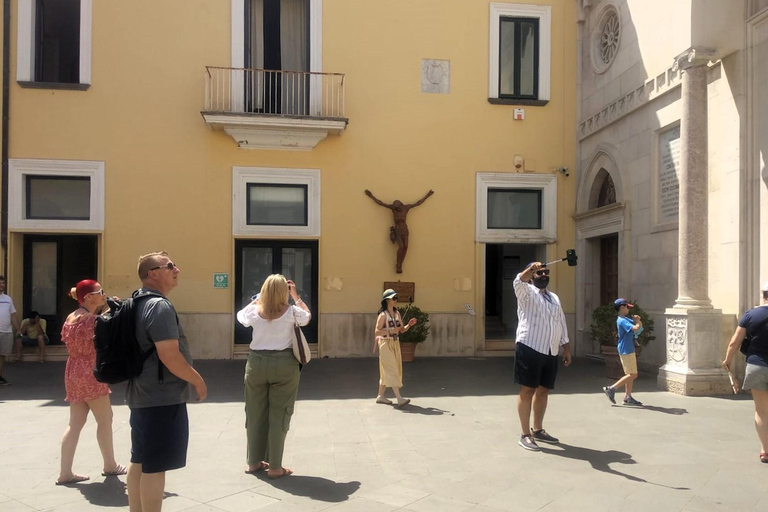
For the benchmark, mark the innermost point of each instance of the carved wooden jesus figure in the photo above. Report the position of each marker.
(399, 232)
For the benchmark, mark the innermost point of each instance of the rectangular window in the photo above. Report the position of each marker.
(510, 208)
(57, 41)
(271, 204)
(518, 58)
(58, 197)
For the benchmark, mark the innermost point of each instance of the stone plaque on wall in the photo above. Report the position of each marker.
(435, 76)
(668, 191)
(405, 290)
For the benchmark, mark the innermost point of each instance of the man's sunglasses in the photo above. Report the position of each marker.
(170, 266)
(543, 272)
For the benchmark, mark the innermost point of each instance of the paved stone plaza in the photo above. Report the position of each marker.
(454, 449)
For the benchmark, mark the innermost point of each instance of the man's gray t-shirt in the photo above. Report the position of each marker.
(156, 320)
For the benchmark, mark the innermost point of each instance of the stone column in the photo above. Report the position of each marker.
(693, 276)
(693, 327)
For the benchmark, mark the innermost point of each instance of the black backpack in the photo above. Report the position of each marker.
(118, 355)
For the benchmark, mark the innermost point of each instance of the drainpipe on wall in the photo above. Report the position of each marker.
(6, 104)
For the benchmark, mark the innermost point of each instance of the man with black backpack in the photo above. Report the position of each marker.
(157, 397)
(752, 333)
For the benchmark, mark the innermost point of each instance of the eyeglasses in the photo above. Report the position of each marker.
(394, 298)
(99, 292)
(170, 266)
(544, 272)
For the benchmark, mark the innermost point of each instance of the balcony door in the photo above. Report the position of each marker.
(277, 50)
(257, 259)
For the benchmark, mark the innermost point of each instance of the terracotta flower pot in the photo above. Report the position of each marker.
(407, 351)
(613, 367)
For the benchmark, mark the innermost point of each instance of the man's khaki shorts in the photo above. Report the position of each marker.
(629, 363)
(6, 343)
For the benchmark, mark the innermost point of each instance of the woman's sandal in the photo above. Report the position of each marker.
(764, 458)
(74, 479)
(117, 471)
(283, 472)
(261, 467)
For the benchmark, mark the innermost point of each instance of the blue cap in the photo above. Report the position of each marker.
(623, 302)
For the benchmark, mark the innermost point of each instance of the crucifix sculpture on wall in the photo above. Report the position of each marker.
(399, 232)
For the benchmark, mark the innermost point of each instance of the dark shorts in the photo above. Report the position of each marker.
(159, 437)
(32, 342)
(533, 369)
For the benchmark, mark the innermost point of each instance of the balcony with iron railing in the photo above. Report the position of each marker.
(274, 109)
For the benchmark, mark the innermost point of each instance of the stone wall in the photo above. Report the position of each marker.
(351, 335)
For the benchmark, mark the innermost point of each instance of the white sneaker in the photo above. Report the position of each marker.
(383, 400)
(403, 402)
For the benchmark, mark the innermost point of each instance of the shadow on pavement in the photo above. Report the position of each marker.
(600, 460)
(313, 487)
(341, 379)
(109, 493)
(426, 411)
(677, 411)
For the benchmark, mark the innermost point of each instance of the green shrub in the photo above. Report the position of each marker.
(603, 327)
(419, 332)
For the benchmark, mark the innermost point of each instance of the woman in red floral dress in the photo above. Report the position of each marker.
(84, 393)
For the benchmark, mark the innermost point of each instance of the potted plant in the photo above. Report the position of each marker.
(416, 334)
(603, 330)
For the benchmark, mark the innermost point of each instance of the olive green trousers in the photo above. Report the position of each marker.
(271, 383)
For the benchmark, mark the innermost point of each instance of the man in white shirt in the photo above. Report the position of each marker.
(541, 331)
(8, 322)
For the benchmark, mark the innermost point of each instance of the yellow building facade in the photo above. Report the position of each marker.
(153, 126)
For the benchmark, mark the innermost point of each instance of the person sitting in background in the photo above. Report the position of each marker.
(32, 332)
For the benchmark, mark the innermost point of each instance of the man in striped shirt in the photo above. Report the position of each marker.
(541, 331)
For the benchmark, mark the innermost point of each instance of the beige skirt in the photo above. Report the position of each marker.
(390, 363)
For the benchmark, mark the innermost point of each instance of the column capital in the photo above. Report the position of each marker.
(695, 56)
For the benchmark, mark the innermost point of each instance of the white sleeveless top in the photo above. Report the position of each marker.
(274, 334)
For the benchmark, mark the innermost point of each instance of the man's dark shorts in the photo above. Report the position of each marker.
(159, 437)
(533, 369)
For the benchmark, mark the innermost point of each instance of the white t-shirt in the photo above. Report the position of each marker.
(274, 334)
(6, 310)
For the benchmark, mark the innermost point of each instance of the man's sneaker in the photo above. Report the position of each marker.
(631, 401)
(528, 443)
(4, 382)
(541, 435)
(609, 392)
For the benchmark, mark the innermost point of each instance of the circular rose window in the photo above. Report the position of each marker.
(606, 37)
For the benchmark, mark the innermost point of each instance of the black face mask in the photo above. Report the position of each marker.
(541, 282)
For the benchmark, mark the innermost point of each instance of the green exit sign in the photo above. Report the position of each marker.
(220, 280)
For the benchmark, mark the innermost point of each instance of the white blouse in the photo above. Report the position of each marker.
(274, 334)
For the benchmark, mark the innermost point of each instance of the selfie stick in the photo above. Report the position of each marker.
(570, 257)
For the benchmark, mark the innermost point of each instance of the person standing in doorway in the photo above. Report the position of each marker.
(541, 331)
(158, 396)
(8, 323)
(389, 326)
(627, 329)
(754, 324)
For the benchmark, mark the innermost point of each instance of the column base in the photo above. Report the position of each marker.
(694, 351)
(694, 382)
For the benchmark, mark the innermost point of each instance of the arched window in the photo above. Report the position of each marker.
(607, 193)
